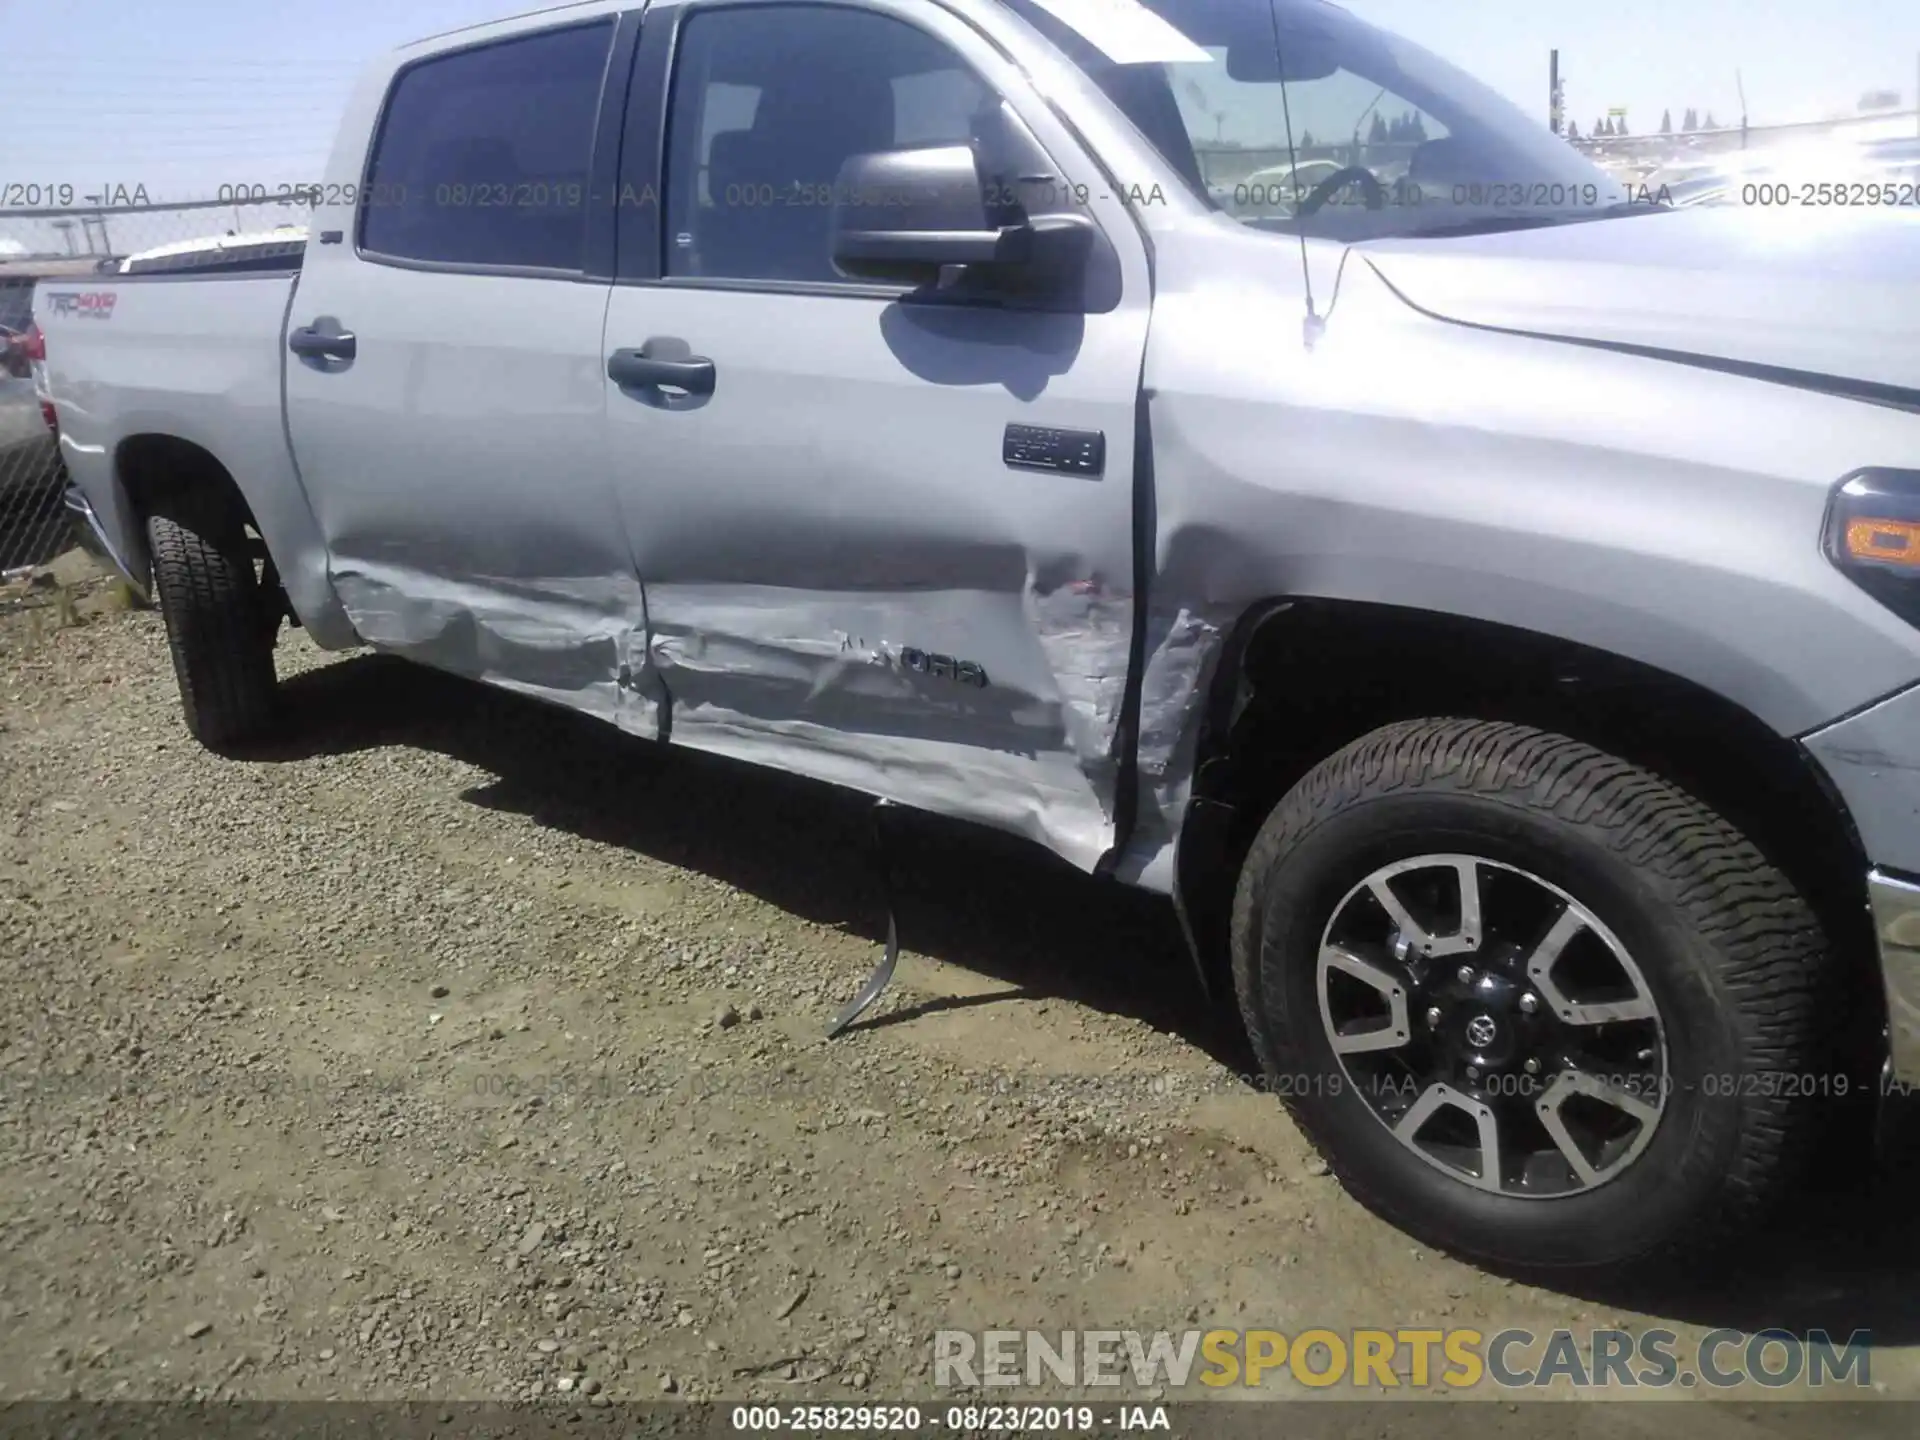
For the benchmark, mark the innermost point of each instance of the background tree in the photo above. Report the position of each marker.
(1666, 122)
(1692, 120)
(1377, 135)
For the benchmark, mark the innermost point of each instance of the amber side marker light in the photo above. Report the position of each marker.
(1894, 542)
(1873, 536)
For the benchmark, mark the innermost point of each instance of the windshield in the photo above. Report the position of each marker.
(1293, 116)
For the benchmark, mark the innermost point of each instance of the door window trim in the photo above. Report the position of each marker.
(597, 213)
(642, 264)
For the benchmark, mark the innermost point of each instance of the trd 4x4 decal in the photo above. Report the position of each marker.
(87, 304)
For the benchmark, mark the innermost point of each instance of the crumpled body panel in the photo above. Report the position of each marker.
(567, 640)
(762, 674)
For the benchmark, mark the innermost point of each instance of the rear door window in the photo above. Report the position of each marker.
(483, 156)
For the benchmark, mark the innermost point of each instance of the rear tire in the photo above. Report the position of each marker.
(220, 627)
(1705, 952)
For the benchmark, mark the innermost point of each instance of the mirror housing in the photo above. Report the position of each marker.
(906, 216)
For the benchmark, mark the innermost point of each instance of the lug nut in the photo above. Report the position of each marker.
(1433, 1016)
(1473, 1072)
(1529, 1004)
(1466, 974)
(1533, 1067)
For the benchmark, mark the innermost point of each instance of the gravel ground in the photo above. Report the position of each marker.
(459, 1048)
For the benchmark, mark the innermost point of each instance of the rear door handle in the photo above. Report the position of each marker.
(661, 366)
(311, 344)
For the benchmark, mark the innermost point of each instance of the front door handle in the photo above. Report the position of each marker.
(311, 344)
(660, 367)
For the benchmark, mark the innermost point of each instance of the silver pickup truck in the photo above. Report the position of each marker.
(1486, 601)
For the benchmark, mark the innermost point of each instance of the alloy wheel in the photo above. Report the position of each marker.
(1493, 1024)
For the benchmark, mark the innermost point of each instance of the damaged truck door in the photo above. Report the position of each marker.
(885, 543)
(456, 472)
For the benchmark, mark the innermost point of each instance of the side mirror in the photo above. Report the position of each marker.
(905, 216)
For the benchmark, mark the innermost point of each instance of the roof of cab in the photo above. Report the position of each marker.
(583, 5)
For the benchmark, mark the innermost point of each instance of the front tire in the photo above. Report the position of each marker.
(220, 628)
(1532, 1003)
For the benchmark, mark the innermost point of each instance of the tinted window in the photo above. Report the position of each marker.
(767, 106)
(484, 156)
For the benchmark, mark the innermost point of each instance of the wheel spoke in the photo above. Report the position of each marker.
(1490, 1173)
(1466, 870)
(1388, 1036)
(1540, 964)
(1550, 1109)
(1416, 934)
(1468, 937)
(1638, 1008)
(1607, 1093)
(1440, 1096)
(1555, 1124)
(1433, 1098)
(1547, 954)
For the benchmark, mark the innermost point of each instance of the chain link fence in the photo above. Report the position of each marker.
(63, 247)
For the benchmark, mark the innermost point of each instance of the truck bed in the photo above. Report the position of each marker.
(193, 355)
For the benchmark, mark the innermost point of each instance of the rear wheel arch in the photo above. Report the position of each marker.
(151, 467)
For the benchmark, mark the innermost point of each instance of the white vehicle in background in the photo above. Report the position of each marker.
(1874, 174)
(1277, 189)
(271, 248)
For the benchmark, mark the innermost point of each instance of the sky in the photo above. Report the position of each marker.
(201, 93)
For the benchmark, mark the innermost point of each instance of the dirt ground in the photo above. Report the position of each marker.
(460, 1048)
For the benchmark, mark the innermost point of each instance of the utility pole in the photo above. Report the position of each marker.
(88, 222)
(1741, 85)
(1554, 94)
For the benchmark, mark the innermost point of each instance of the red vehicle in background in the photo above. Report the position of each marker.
(17, 349)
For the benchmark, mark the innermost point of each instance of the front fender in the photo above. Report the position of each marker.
(1660, 513)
